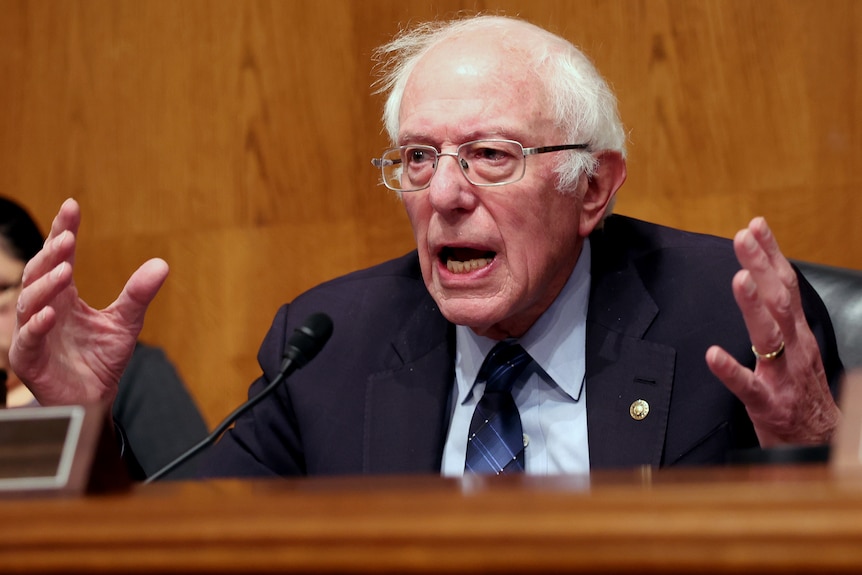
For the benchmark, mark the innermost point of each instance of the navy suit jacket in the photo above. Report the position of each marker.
(377, 397)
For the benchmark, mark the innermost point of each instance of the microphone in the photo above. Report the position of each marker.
(301, 347)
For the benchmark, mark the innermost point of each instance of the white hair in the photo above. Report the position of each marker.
(583, 105)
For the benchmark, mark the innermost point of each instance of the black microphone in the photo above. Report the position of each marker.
(302, 346)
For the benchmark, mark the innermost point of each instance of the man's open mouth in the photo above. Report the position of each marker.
(464, 260)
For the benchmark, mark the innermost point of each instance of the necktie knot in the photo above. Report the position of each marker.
(502, 366)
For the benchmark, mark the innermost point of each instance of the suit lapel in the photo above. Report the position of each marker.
(625, 373)
(406, 405)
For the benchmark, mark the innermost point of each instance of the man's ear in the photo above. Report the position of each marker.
(602, 186)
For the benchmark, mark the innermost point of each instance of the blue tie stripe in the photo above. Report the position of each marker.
(495, 443)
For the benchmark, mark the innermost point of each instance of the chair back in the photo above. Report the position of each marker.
(841, 291)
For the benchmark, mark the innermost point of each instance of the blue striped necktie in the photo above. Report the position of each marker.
(495, 444)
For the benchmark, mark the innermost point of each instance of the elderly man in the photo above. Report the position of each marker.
(623, 341)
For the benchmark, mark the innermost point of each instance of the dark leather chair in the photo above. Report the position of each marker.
(841, 291)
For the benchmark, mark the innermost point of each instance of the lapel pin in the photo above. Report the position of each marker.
(639, 409)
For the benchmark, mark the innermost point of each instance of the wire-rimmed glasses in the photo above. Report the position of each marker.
(483, 162)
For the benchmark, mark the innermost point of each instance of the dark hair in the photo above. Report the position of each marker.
(19, 234)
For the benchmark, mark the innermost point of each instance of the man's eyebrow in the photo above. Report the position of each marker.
(413, 139)
(494, 133)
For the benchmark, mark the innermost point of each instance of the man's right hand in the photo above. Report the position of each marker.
(65, 351)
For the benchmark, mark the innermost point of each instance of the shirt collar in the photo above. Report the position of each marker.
(557, 341)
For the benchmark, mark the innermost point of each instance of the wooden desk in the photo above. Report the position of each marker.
(768, 519)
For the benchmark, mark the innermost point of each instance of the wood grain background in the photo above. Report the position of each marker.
(233, 139)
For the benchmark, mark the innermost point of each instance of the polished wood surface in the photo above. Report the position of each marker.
(233, 139)
(740, 520)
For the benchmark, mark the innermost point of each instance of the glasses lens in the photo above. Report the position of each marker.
(391, 167)
(408, 168)
(492, 162)
(419, 164)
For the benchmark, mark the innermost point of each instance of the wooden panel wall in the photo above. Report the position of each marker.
(233, 139)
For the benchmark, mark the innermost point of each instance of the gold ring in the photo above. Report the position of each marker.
(771, 355)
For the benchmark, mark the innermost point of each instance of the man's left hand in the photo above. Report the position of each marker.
(787, 394)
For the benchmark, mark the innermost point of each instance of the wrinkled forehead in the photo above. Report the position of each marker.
(495, 75)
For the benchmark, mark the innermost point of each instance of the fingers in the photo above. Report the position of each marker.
(29, 336)
(68, 218)
(764, 332)
(42, 291)
(51, 265)
(58, 247)
(28, 353)
(738, 379)
(36, 317)
(774, 281)
(139, 291)
(801, 411)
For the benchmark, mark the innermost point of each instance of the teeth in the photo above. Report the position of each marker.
(457, 267)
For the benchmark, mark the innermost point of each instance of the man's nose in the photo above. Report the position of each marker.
(449, 188)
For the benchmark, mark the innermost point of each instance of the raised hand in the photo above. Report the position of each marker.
(65, 351)
(787, 395)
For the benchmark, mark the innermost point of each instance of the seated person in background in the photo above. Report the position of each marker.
(507, 154)
(154, 408)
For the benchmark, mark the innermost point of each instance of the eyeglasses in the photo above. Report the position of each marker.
(483, 162)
